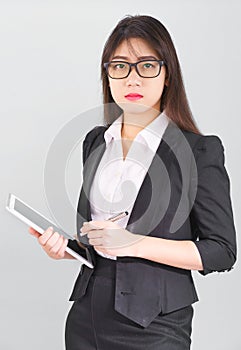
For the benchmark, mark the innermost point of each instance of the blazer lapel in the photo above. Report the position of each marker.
(154, 194)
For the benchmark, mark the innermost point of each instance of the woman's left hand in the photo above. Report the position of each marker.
(109, 238)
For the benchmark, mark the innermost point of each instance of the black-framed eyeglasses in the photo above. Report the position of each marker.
(145, 68)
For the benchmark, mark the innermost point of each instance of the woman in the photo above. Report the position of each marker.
(150, 160)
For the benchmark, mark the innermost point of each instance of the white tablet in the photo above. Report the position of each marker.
(40, 223)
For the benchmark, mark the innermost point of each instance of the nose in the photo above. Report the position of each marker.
(133, 78)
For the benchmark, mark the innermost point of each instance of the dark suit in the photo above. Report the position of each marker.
(167, 207)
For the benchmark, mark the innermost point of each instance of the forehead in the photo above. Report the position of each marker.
(134, 47)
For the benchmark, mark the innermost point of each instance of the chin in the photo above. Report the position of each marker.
(133, 107)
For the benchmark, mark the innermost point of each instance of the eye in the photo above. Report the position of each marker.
(148, 65)
(118, 66)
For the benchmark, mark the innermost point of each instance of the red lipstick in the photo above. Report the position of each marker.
(133, 96)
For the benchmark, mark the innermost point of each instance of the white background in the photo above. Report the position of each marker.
(50, 73)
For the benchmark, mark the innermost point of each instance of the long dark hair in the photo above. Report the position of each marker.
(174, 100)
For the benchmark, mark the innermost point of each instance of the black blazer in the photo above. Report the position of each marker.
(184, 196)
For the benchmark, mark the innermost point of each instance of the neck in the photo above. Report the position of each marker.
(134, 123)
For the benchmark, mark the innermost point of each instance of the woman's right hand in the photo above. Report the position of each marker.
(52, 243)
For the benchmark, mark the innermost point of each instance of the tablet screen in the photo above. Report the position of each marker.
(36, 218)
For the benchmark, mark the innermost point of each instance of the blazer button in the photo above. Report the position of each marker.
(126, 293)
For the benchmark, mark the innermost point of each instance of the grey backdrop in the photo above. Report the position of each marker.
(50, 56)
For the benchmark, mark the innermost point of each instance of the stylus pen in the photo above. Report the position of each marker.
(113, 218)
(118, 216)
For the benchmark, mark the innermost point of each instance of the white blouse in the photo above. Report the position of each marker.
(117, 182)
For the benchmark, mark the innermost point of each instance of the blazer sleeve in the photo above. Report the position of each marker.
(211, 213)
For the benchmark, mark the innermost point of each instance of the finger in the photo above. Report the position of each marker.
(31, 230)
(46, 236)
(56, 247)
(97, 224)
(84, 231)
(52, 240)
(96, 241)
(61, 252)
(95, 234)
(92, 225)
(34, 233)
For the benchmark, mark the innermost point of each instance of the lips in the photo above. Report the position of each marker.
(133, 96)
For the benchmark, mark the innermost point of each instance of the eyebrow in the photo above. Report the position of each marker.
(139, 58)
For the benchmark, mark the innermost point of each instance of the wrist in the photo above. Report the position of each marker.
(136, 246)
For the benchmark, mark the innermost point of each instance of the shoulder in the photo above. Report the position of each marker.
(204, 143)
(95, 132)
(92, 139)
(208, 151)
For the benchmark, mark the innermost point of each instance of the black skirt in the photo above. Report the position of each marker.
(93, 323)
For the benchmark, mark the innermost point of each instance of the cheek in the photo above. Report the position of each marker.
(115, 89)
(155, 89)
